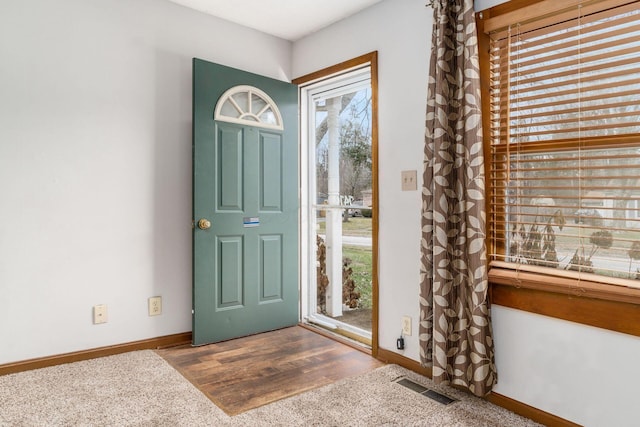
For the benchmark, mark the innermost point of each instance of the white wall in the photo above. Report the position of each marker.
(486, 4)
(577, 372)
(581, 373)
(400, 30)
(95, 165)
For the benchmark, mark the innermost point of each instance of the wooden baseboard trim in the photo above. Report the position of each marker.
(148, 344)
(530, 412)
(397, 359)
(512, 405)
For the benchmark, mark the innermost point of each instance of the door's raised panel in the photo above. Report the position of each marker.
(230, 153)
(230, 279)
(271, 271)
(271, 174)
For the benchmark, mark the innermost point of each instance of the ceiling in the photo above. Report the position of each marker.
(287, 19)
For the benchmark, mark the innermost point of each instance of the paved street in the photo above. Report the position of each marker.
(353, 240)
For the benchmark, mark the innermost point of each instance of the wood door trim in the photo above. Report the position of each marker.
(148, 344)
(370, 59)
(359, 61)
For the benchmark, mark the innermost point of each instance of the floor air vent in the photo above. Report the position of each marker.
(431, 394)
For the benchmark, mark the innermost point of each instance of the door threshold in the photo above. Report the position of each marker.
(338, 335)
(341, 327)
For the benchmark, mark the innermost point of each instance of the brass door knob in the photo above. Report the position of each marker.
(204, 224)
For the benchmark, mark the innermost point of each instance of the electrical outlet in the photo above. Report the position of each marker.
(155, 306)
(406, 325)
(99, 314)
(409, 180)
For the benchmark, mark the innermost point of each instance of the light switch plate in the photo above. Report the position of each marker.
(409, 180)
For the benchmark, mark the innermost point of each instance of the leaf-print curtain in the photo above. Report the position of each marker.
(455, 324)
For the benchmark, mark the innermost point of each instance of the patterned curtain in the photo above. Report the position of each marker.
(455, 325)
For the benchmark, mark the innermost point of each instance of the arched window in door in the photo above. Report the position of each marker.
(248, 105)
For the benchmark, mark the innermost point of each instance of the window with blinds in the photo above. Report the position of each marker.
(564, 158)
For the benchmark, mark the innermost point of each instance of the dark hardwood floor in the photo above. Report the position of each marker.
(245, 373)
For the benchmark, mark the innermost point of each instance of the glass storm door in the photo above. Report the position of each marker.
(340, 204)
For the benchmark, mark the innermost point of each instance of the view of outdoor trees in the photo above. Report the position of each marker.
(355, 146)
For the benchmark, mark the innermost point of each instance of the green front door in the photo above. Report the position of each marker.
(245, 203)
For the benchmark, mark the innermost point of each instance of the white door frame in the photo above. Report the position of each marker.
(343, 82)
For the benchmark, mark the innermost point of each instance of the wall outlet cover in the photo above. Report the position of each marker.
(406, 325)
(155, 306)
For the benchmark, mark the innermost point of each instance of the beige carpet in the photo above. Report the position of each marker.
(141, 389)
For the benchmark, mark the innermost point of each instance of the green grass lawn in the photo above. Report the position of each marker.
(353, 227)
(361, 265)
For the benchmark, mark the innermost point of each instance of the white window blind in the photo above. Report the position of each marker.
(564, 178)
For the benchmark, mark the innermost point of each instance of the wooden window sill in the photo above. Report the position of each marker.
(612, 307)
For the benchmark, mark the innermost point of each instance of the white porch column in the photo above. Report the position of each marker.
(334, 216)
